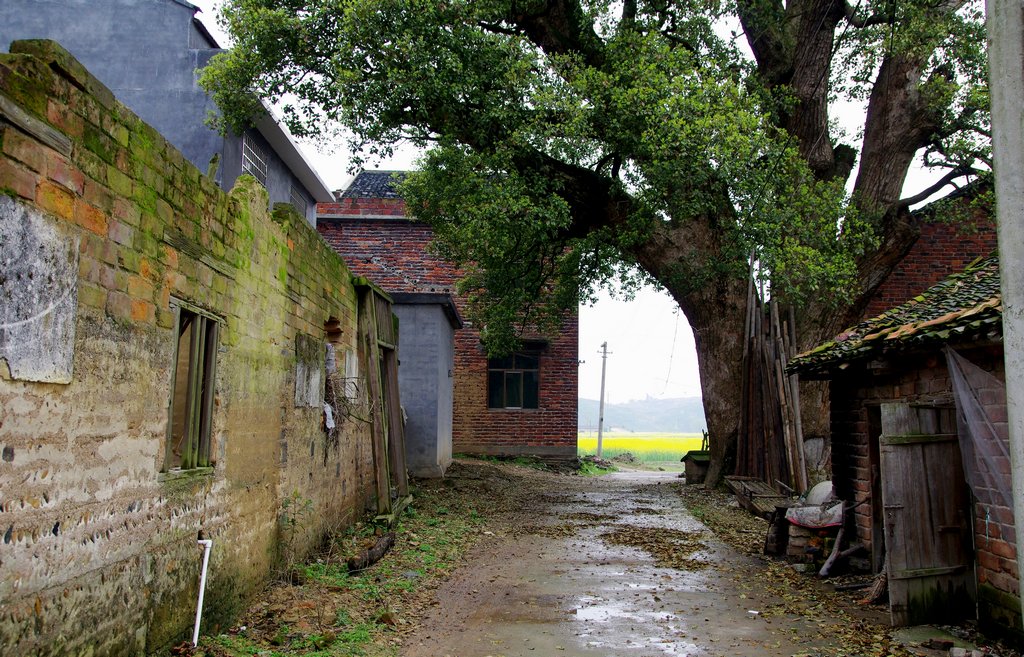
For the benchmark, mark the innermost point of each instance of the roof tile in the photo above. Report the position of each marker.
(967, 305)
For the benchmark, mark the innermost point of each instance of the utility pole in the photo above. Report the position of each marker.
(600, 411)
(1006, 57)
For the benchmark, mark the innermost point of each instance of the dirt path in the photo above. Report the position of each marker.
(508, 561)
(608, 566)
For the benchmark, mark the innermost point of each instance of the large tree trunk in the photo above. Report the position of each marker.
(716, 310)
(717, 318)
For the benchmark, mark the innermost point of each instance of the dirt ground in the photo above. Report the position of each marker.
(503, 560)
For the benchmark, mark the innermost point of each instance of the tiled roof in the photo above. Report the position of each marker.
(374, 184)
(965, 306)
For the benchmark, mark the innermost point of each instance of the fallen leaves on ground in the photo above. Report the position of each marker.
(670, 548)
(854, 630)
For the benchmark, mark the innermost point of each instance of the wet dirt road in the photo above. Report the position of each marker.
(566, 585)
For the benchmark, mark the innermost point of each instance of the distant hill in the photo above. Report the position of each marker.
(682, 415)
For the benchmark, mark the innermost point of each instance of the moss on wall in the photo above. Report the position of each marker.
(101, 555)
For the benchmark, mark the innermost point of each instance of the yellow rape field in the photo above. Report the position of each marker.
(646, 447)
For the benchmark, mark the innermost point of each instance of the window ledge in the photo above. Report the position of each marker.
(178, 474)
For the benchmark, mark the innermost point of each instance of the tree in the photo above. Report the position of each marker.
(575, 142)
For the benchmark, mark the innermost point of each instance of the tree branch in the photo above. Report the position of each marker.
(763, 21)
(958, 172)
(559, 27)
(883, 18)
(628, 15)
(498, 29)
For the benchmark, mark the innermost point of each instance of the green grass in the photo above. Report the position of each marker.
(646, 447)
(588, 469)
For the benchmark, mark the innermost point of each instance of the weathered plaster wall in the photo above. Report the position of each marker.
(925, 379)
(98, 545)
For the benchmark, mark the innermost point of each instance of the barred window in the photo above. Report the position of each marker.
(254, 159)
(298, 199)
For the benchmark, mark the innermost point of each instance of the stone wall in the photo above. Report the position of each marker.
(925, 379)
(99, 538)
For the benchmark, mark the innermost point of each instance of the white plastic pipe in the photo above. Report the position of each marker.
(207, 544)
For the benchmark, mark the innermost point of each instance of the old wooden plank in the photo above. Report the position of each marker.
(368, 334)
(19, 118)
(916, 439)
(924, 495)
(916, 573)
(396, 428)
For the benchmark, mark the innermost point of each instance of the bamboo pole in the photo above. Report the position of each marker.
(795, 386)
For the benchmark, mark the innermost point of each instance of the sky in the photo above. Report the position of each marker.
(650, 343)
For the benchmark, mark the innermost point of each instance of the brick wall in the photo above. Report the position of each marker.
(391, 251)
(943, 248)
(548, 431)
(98, 550)
(925, 379)
(376, 241)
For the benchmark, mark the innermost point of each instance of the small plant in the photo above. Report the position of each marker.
(295, 511)
(530, 462)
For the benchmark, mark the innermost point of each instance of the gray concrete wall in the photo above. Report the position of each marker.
(147, 52)
(426, 341)
(137, 48)
(445, 391)
(279, 176)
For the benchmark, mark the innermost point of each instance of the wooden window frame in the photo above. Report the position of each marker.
(510, 374)
(193, 447)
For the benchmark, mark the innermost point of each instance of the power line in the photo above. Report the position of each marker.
(672, 353)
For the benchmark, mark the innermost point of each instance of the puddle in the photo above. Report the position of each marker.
(596, 613)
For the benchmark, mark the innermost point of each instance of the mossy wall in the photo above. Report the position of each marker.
(98, 551)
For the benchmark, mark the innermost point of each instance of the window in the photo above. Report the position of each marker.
(190, 410)
(514, 381)
(254, 159)
(298, 199)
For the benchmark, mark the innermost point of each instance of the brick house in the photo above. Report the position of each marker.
(954, 232)
(523, 404)
(164, 347)
(918, 422)
(149, 53)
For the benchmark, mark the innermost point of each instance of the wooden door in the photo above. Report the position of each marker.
(377, 326)
(926, 516)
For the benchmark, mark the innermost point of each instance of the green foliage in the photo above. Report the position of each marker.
(572, 149)
(296, 510)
